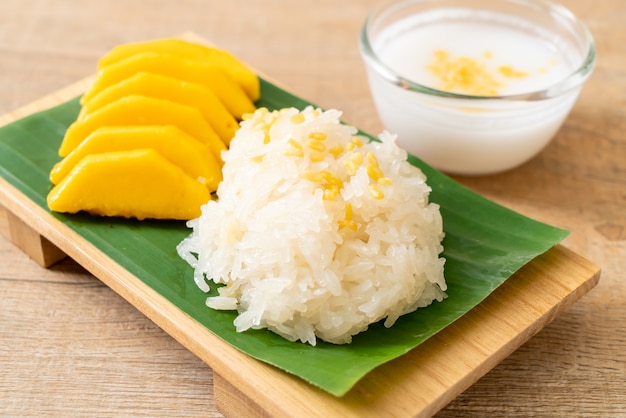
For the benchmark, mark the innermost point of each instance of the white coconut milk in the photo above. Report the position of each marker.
(476, 54)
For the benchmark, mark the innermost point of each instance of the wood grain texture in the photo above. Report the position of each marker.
(69, 346)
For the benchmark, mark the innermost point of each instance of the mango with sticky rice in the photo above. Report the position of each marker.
(192, 51)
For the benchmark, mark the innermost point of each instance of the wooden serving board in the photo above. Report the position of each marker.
(416, 384)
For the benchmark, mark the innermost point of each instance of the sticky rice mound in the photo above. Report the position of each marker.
(316, 232)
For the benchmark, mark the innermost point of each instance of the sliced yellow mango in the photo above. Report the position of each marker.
(168, 88)
(132, 184)
(209, 75)
(186, 152)
(189, 51)
(137, 110)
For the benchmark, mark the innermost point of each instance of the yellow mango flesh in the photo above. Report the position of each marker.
(209, 75)
(133, 184)
(168, 88)
(137, 110)
(189, 51)
(170, 142)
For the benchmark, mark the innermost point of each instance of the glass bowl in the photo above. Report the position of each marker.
(475, 87)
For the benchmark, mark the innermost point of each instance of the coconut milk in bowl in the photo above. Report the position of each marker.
(475, 87)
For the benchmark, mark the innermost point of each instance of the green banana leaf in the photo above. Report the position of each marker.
(484, 245)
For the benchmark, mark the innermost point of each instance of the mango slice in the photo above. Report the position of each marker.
(107, 184)
(168, 88)
(244, 76)
(209, 75)
(136, 110)
(170, 142)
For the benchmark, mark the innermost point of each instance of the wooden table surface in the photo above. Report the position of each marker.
(70, 346)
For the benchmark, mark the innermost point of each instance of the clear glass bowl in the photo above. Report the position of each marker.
(468, 134)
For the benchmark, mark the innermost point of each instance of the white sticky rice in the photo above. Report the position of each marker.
(316, 233)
